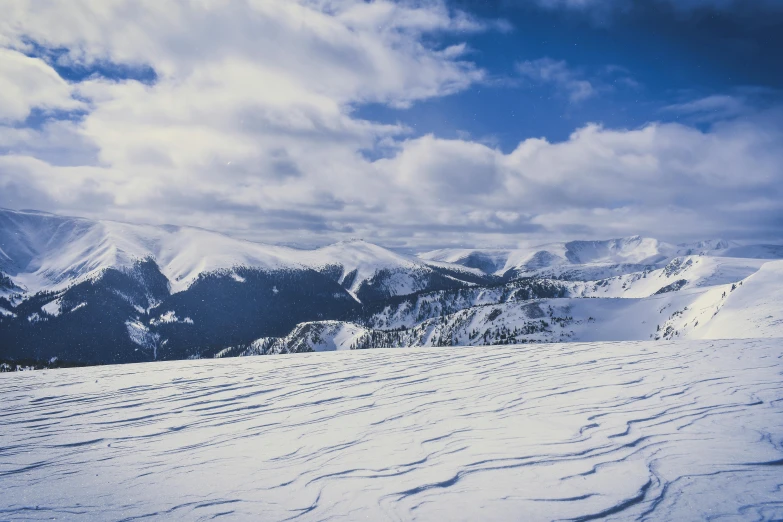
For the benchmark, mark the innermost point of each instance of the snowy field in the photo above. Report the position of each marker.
(689, 430)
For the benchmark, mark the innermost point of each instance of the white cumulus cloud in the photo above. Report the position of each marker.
(251, 127)
(28, 83)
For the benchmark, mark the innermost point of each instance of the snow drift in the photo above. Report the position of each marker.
(617, 431)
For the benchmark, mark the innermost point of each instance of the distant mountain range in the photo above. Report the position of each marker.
(576, 258)
(99, 292)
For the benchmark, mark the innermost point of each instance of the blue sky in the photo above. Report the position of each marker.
(641, 62)
(414, 123)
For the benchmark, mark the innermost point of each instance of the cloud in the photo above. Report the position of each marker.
(249, 126)
(573, 4)
(352, 51)
(27, 83)
(557, 73)
(248, 104)
(665, 180)
(710, 108)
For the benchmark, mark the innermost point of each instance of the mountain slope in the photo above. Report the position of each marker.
(681, 273)
(593, 260)
(77, 289)
(47, 252)
(85, 322)
(625, 251)
(542, 311)
(41, 251)
(373, 273)
(94, 291)
(752, 309)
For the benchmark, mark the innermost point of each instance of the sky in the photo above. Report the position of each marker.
(412, 124)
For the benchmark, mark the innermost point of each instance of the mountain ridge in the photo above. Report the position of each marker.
(43, 251)
(101, 292)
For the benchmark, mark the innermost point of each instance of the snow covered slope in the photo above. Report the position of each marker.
(513, 322)
(613, 431)
(545, 311)
(45, 251)
(720, 248)
(103, 292)
(752, 309)
(41, 251)
(680, 273)
(314, 336)
(107, 292)
(633, 250)
(370, 271)
(587, 260)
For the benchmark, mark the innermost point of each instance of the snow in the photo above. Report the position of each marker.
(312, 336)
(748, 309)
(752, 309)
(52, 308)
(358, 255)
(186, 253)
(630, 250)
(170, 317)
(49, 252)
(366, 260)
(346, 335)
(697, 271)
(555, 258)
(685, 430)
(141, 335)
(35, 317)
(632, 311)
(335, 335)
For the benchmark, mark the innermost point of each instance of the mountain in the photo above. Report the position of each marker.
(554, 258)
(593, 260)
(41, 251)
(315, 336)
(103, 291)
(372, 273)
(721, 248)
(753, 308)
(87, 291)
(724, 298)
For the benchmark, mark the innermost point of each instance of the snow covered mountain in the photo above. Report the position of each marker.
(586, 260)
(636, 307)
(41, 251)
(626, 251)
(100, 291)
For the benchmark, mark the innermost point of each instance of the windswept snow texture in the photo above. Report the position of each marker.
(618, 431)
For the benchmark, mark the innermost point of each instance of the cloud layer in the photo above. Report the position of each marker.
(249, 127)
